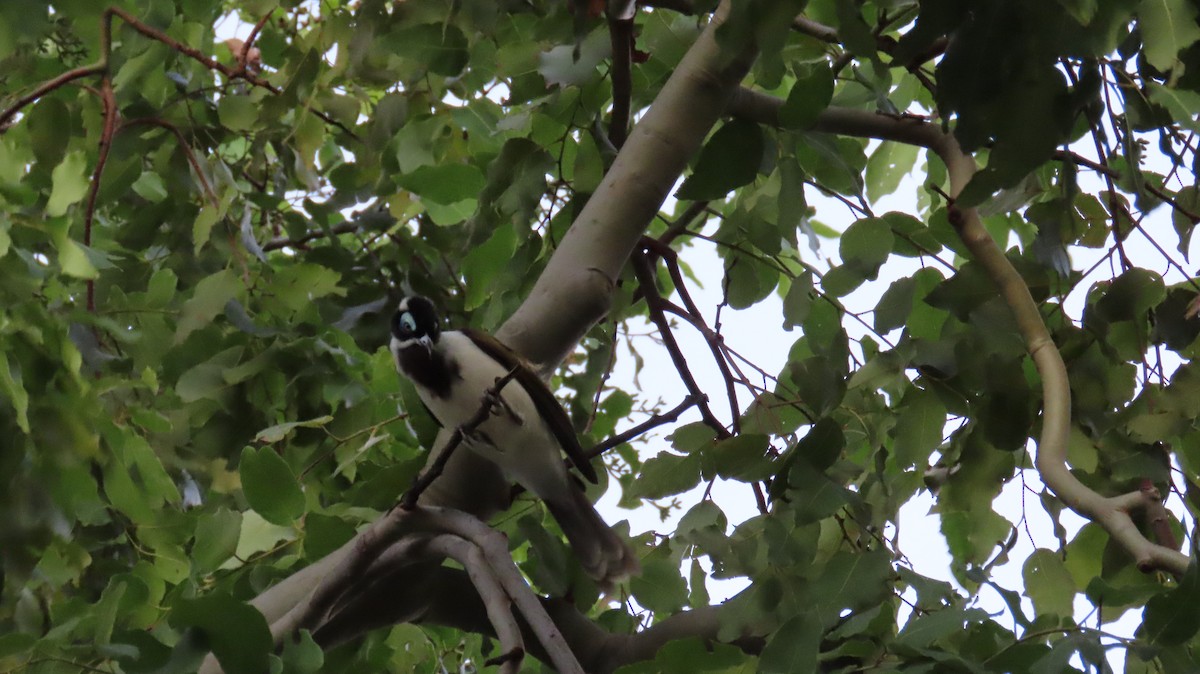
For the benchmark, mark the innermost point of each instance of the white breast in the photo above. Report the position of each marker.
(526, 450)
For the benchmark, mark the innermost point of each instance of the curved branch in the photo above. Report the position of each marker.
(1112, 513)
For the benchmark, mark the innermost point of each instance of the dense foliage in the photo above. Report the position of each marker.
(200, 241)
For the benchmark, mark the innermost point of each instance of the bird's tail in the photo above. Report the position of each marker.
(603, 555)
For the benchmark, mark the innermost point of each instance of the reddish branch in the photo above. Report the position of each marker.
(655, 304)
(696, 319)
(108, 99)
(48, 86)
(653, 422)
(232, 72)
(244, 54)
(685, 220)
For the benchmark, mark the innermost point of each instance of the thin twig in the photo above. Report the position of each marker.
(645, 276)
(244, 56)
(48, 86)
(183, 145)
(653, 422)
(712, 338)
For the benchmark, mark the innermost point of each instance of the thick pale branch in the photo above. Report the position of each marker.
(496, 602)
(576, 287)
(494, 546)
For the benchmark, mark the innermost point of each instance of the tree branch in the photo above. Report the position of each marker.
(1112, 513)
(649, 287)
(577, 284)
(653, 422)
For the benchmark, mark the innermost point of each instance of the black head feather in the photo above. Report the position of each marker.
(415, 318)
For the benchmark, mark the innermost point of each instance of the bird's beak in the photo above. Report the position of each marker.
(426, 342)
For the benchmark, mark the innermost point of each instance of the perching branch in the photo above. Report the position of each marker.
(572, 293)
(482, 550)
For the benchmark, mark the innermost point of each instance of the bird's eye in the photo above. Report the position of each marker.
(407, 322)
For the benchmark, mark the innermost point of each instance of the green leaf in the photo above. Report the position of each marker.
(742, 457)
(923, 631)
(852, 580)
(70, 183)
(691, 437)
(895, 305)
(793, 648)
(1183, 105)
(237, 632)
(270, 485)
(202, 226)
(14, 389)
(73, 259)
(866, 245)
(809, 96)
(207, 380)
(823, 444)
(919, 427)
(280, 431)
(296, 286)
(445, 183)
(1171, 617)
(484, 263)
(660, 587)
(548, 562)
(749, 282)
(575, 64)
(208, 300)
(1048, 584)
(834, 161)
(217, 536)
(237, 112)
(665, 475)
(798, 301)
(302, 655)
(150, 187)
(1081, 10)
(730, 159)
(16, 643)
(888, 165)
(441, 47)
(1168, 27)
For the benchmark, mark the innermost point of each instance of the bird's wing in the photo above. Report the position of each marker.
(545, 402)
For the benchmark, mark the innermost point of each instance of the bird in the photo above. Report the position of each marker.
(452, 370)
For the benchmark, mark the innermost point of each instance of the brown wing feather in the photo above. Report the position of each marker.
(547, 405)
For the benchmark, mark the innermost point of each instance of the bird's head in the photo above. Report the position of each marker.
(415, 323)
